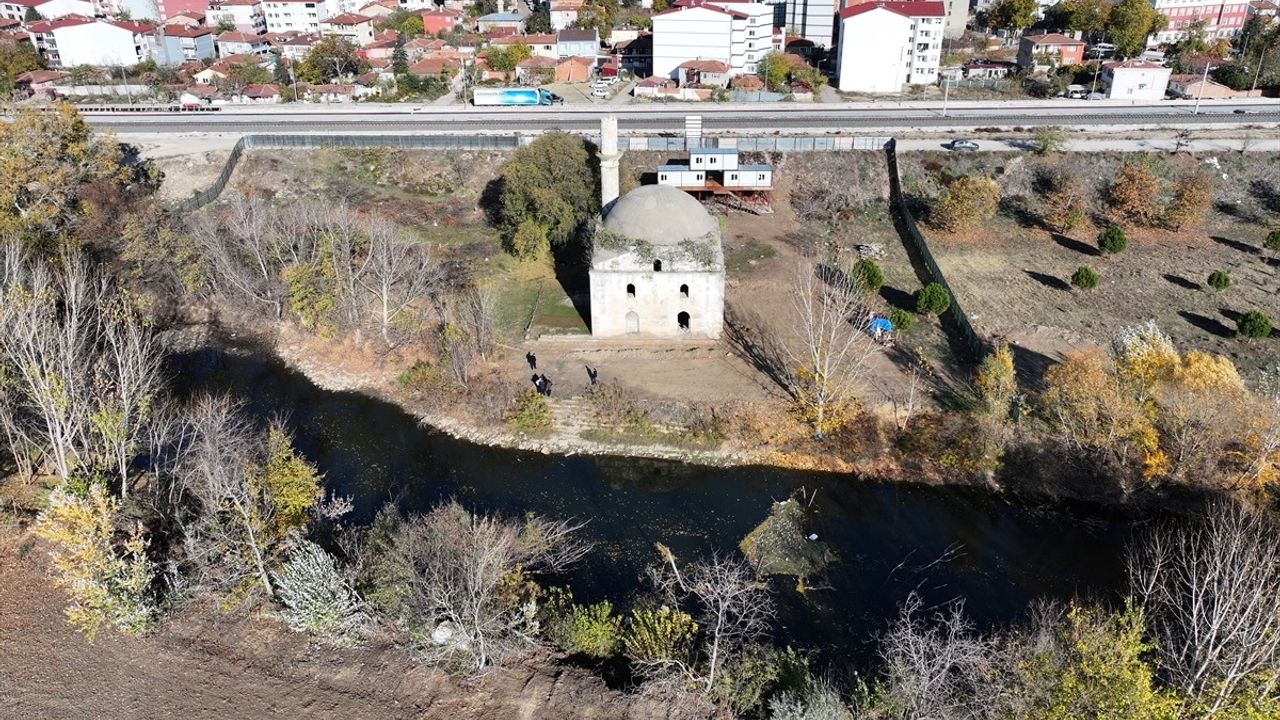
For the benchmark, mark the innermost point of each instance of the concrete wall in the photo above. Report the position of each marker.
(657, 303)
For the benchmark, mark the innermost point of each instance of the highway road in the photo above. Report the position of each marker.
(400, 119)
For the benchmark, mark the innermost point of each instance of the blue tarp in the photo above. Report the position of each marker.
(881, 324)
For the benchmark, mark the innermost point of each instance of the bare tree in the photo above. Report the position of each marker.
(399, 272)
(733, 608)
(225, 535)
(478, 315)
(933, 668)
(1211, 590)
(242, 250)
(463, 603)
(831, 345)
(131, 384)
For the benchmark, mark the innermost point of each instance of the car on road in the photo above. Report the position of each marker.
(600, 91)
(961, 145)
(1240, 111)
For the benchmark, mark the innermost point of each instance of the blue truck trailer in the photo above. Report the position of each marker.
(513, 96)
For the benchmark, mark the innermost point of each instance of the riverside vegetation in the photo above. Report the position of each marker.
(147, 503)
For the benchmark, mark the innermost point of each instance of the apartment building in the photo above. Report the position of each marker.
(245, 15)
(1222, 18)
(297, 15)
(738, 34)
(884, 46)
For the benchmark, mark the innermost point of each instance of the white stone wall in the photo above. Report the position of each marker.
(657, 303)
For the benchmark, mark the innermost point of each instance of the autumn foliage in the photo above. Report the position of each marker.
(1132, 197)
(967, 200)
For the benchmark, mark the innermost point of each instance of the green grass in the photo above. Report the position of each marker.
(747, 257)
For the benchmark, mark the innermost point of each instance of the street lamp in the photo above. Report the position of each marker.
(946, 93)
(1203, 81)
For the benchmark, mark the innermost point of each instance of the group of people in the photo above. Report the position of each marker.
(542, 383)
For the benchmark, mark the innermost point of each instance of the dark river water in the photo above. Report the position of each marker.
(995, 553)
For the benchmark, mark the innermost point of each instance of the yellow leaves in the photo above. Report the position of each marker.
(996, 382)
(1203, 372)
(107, 586)
(291, 484)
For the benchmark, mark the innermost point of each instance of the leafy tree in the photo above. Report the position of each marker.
(1272, 242)
(530, 412)
(1112, 239)
(1013, 14)
(1088, 16)
(280, 74)
(549, 188)
(406, 24)
(15, 59)
(1254, 324)
(1129, 25)
(329, 59)
(868, 275)
(240, 75)
(1066, 200)
(1132, 195)
(505, 59)
(932, 299)
(539, 22)
(400, 58)
(32, 15)
(1048, 139)
(996, 382)
(901, 320)
(47, 159)
(109, 584)
(659, 640)
(224, 25)
(965, 201)
(598, 15)
(1192, 197)
(1219, 280)
(1084, 278)
(773, 69)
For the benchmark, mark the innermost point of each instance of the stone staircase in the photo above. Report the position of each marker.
(571, 415)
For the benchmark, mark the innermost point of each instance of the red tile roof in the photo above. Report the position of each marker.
(40, 76)
(45, 26)
(191, 32)
(232, 36)
(347, 19)
(538, 62)
(1132, 65)
(133, 27)
(907, 8)
(432, 66)
(264, 90)
(707, 66)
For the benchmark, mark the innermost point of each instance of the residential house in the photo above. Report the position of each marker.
(175, 45)
(635, 56)
(296, 47)
(539, 45)
(574, 69)
(1135, 80)
(198, 95)
(245, 16)
(500, 21)
(575, 42)
(703, 72)
(1222, 18)
(72, 41)
(337, 93)
(738, 34)
(174, 8)
(383, 45)
(39, 83)
(1189, 87)
(48, 9)
(356, 29)
(536, 69)
(234, 42)
(439, 67)
(1265, 8)
(667, 89)
(1043, 53)
(220, 70)
(190, 18)
(440, 20)
(884, 46)
(983, 69)
(421, 47)
(299, 15)
(564, 13)
(379, 8)
(264, 94)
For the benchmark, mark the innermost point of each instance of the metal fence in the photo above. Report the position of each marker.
(921, 248)
(408, 142)
(203, 197)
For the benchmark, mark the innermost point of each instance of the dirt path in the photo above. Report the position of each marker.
(204, 665)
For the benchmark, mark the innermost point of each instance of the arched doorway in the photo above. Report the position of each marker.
(631, 290)
(684, 291)
(682, 321)
(657, 266)
(633, 323)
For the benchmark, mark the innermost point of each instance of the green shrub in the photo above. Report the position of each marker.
(1112, 239)
(932, 299)
(1219, 280)
(311, 295)
(591, 630)
(868, 275)
(531, 413)
(901, 320)
(658, 638)
(1084, 278)
(1272, 242)
(1254, 324)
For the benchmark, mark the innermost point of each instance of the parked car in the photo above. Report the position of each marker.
(960, 145)
(600, 91)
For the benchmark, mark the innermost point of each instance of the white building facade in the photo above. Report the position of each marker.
(813, 20)
(738, 34)
(885, 46)
(300, 15)
(97, 42)
(48, 9)
(245, 16)
(1135, 80)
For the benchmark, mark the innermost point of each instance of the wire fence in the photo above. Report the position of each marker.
(914, 237)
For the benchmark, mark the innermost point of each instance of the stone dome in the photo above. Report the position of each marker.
(660, 215)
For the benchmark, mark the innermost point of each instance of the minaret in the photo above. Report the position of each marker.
(609, 157)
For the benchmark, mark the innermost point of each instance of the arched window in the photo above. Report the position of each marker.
(657, 266)
(631, 290)
(684, 291)
(682, 321)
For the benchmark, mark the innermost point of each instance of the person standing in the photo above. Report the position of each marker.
(532, 359)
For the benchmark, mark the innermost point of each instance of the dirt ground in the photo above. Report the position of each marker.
(1013, 277)
(207, 665)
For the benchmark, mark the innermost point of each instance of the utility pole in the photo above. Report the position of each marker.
(1203, 80)
(946, 94)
